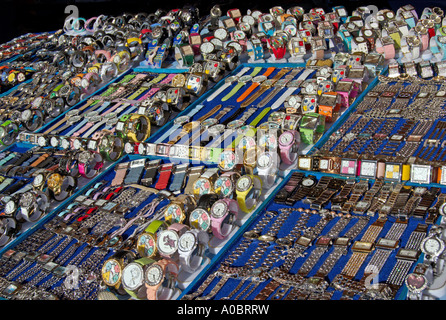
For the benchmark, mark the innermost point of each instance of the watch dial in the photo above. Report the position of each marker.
(128, 147)
(38, 180)
(244, 183)
(228, 160)
(10, 207)
(65, 144)
(154, 274)
(54, 141)
(111, 272)
(167, 242)
(41, 141)
(199, 218)
(77, 144)
(265, 160)
(219, 209)
(147, 244)
(173, 213)
(132, 276)
(368, 169)
(432, 246)
(202, 186)
(393, 171)
(220, 33)
(286, 138)
(207, 47)
(268, 141)
(187, 242)
(141, 148)
(305, 163)
(308, 182)
(420, 174)
(224, 186)
(416, 282)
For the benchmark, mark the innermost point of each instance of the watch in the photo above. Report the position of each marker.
(289, 142)
(223, 213)
(167, 240)
(179, 209)
(248, 190)
(160, 279)
(146, 242)
(133, 276)
(267, 168)
(192, 247)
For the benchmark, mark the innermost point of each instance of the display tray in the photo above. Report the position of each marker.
(259, 253)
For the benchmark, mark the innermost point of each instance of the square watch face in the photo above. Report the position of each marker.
(348, 167)
(368, 169)
(420, 173)
(393, 171)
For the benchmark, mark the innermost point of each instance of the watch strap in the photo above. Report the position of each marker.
(165, 173)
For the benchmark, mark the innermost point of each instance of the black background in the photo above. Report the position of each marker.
(23, 16)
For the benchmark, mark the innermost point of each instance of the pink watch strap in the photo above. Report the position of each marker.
(220, 229)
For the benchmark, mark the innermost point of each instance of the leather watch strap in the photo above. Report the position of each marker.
(254, 85)
(165, 173)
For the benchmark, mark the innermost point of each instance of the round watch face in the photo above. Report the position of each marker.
(26, 200)
(38, 180)
(286, 138)
(26, 114)
(202, 186)
(187, 242)
(128, 147)
(132, 276)
(432, 246)
(146, 244)
(199, 218)
(41, 141)
(220, 33)
(244, 183)
(167, 242)
(228, 160)
(245, 79)
(77, 144)
(207, 47)
(224, 186)
(154, 275)
(181, 120)
(174, 213)
(54, 141)
(268, 141)
(111, 272)
(265, 160)
(219, 209)
(247, 143)
(178, 80)
(259, 79)
(10, 207)
(141, 148)
(249, 19)
(308, 182)
(64, 143)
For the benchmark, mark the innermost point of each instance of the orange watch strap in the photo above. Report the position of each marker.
(254, 85)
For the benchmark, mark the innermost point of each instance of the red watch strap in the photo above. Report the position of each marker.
(165, 173)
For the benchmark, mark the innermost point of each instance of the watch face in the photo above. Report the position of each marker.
(249, 19)
(207, 47)
(247, 143)
(132, 276)
(286, 138)
(154, 275)
(64, 143)
(26, 200)
(111, 272)
(265, 160)
(147, 244)
(167, 242)
(219, 209)
(293, 101)
(309, 104)
(368, 169)
(224, 186)
(304, 163)
(182, 151)
(348, 167)
(174, 213)
(38, 180)
(128, 147)
(41, 141)
(199, 218)
(202, 186)
(141, 148)
(228, 160)
(194, 83)
(10, 207)
(416, 282)
(244, 183)
(308, 182)
(187, 242)
(420, 173)
(77, 144)
(432, 246)
(268, 141)
(393, 171)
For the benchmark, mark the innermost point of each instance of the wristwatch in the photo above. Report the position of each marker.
(248, 190)
(61, 187)
(133, 277)
(167, 240)
(223, 216)
(225, 184)
(267, 168)
(33, 204)
(205, 184)
(192, 247)
(289, 142)
(160, 278)
(146, 243)
(179, 209)
(112, 269)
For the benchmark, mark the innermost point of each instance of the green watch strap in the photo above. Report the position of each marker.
(261, 115)
(154, 226)
(160, 77)
(240, 85)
